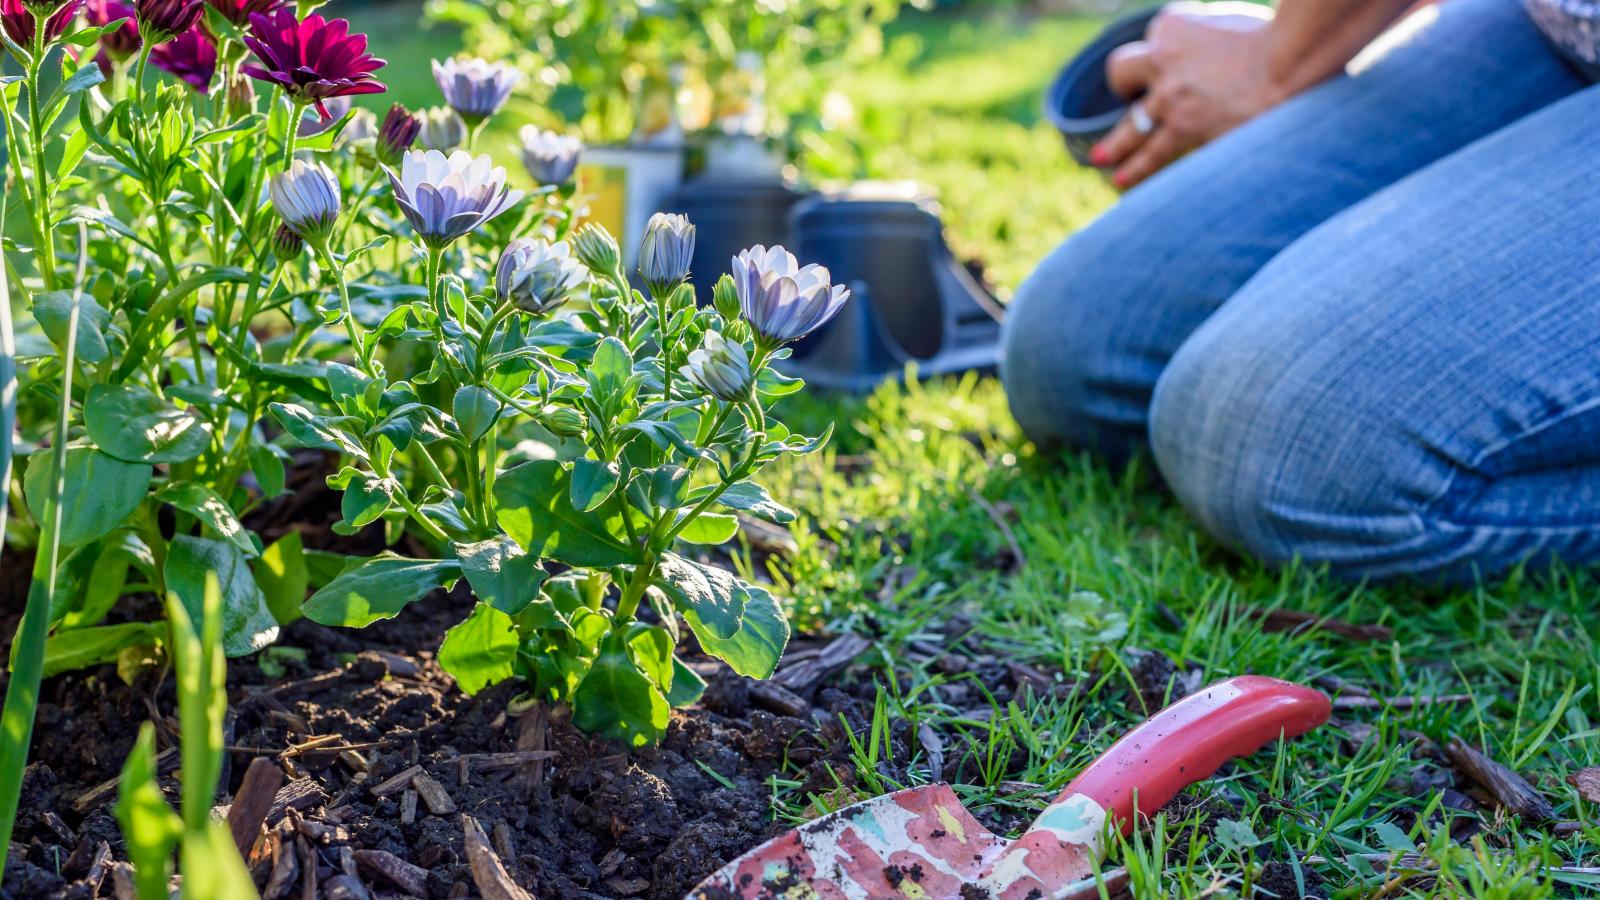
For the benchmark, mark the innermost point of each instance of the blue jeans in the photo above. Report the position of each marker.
(1363, 329)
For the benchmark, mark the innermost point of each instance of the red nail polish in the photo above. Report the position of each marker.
(1097, 154)
(1120, 180)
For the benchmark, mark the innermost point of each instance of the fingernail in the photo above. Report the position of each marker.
(1097, 154)
(1120, 180)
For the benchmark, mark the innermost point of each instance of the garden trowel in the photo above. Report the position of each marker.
(922, 843)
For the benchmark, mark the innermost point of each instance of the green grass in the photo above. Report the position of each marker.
(904, 540)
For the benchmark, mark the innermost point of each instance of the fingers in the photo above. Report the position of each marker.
(1162, 147)
(1118, 146)
(1130, 69)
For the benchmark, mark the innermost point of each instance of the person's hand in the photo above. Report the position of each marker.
(1201, 70)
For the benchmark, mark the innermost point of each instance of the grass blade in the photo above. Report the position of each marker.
(22, 693)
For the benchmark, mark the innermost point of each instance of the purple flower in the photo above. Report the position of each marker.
(312, 123)
(190, 56)
(396, 135)
(239, 11)
(781, 300)
(475, 88)
(17, 20)
(445, 197)
(125, 41)
(160, 20)
(666, 252)
(312, 60)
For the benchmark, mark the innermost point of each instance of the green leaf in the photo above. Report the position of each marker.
(609, 372)
(667, 484)
(247, 623)
(710, 528)
(102, 492)
(1393, 838)
(475, 410)
(266, 462)
(149, 826)
(618, 701)
(763, 633)
(107, 577)
(379, 589)
(593, 483)
(481, 650)
(133, 424)
(317, 432)
(80, 648)
(208, 506)
(1234, 835)
(651, 647)
(284, 577)
(365, 499)
(501, 574)
(747, 496)
(53, 310)
(687, 685)
(717, 597)
(533, 504)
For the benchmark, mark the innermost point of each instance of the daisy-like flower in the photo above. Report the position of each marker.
(124, 41)
(396, 135)
(306, 197)
(440, 128)
(549, 157)
(190, 56)
(17, 20)
(311, 59)
(538, 277)
(239, 11)
(667, 249)
(781, 300)
(162, 20)
(475, 88)
(721, 367)
(445, 197)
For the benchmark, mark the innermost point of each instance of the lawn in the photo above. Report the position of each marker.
(1023, 608)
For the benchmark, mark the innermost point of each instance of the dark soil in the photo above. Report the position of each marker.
(591, 821)
(345, 712)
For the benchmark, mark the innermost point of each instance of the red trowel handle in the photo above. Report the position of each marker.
(1192, 738)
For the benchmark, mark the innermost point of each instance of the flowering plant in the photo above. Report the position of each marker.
(230, 262)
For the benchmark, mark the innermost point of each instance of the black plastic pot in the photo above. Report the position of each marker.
(912, 302)
(730, 215)
(1080, 102)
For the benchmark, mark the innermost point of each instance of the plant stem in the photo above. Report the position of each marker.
(350, 326)
(634, 592)
(432, 275)
(356, 207)
(44, 251)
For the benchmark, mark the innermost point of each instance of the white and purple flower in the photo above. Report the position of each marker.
(781, 300)
(475, 88)
(306, 196)
(537, 276)
(549, 157)
(721, 367)
(445, 197)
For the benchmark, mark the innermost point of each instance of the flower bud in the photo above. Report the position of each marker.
(538, 277)
(241, 97)
(721, 367)
(162, 20)
(307, 199)
(725, 298)
(666, 251)
(597, 249)
(562, 421)
(396, 135)
(441, 129)
(286, 245)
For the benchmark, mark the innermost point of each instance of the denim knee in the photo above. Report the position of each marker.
(1088, 333)
(1284, 462)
